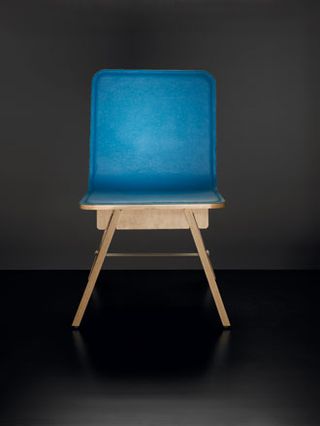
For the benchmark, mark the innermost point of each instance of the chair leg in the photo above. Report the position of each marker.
(96, 267)
(207, 267)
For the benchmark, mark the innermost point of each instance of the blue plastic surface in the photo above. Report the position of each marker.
(153, 137)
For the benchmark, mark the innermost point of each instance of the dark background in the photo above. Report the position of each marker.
(265, 57)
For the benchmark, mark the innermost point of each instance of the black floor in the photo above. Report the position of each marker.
(151, 350)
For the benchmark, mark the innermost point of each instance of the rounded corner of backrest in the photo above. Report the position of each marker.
(95, 80)
(208, 76)
(97, 74)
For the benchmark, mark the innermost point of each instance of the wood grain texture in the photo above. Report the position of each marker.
(207, 267)
(153, 219)
(96, 267)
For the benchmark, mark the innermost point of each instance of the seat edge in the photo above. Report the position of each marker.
(151, 206)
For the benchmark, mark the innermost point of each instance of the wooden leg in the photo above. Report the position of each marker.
(96, 267)
(207, 267)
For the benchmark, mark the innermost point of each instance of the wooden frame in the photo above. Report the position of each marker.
(207, 268)
(96, 266)
(153, 219)
(113, 221)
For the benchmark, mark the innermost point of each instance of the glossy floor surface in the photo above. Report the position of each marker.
(151, 350)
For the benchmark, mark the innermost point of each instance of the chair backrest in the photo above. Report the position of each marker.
(153, 130)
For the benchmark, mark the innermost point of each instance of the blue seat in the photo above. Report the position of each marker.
(153, 138)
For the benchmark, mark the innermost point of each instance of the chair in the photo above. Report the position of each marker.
(152, 160)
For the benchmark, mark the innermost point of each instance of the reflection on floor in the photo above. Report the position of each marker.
(151, 350)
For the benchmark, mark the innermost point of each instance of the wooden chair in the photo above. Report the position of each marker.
(152, 160)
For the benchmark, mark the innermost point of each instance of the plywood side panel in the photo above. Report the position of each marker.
(153, 219)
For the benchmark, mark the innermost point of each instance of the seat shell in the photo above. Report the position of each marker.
(153, 139)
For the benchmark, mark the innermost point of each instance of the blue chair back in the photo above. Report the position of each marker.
(153, 131)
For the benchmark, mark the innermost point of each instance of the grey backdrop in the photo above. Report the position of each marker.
(265, 57)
